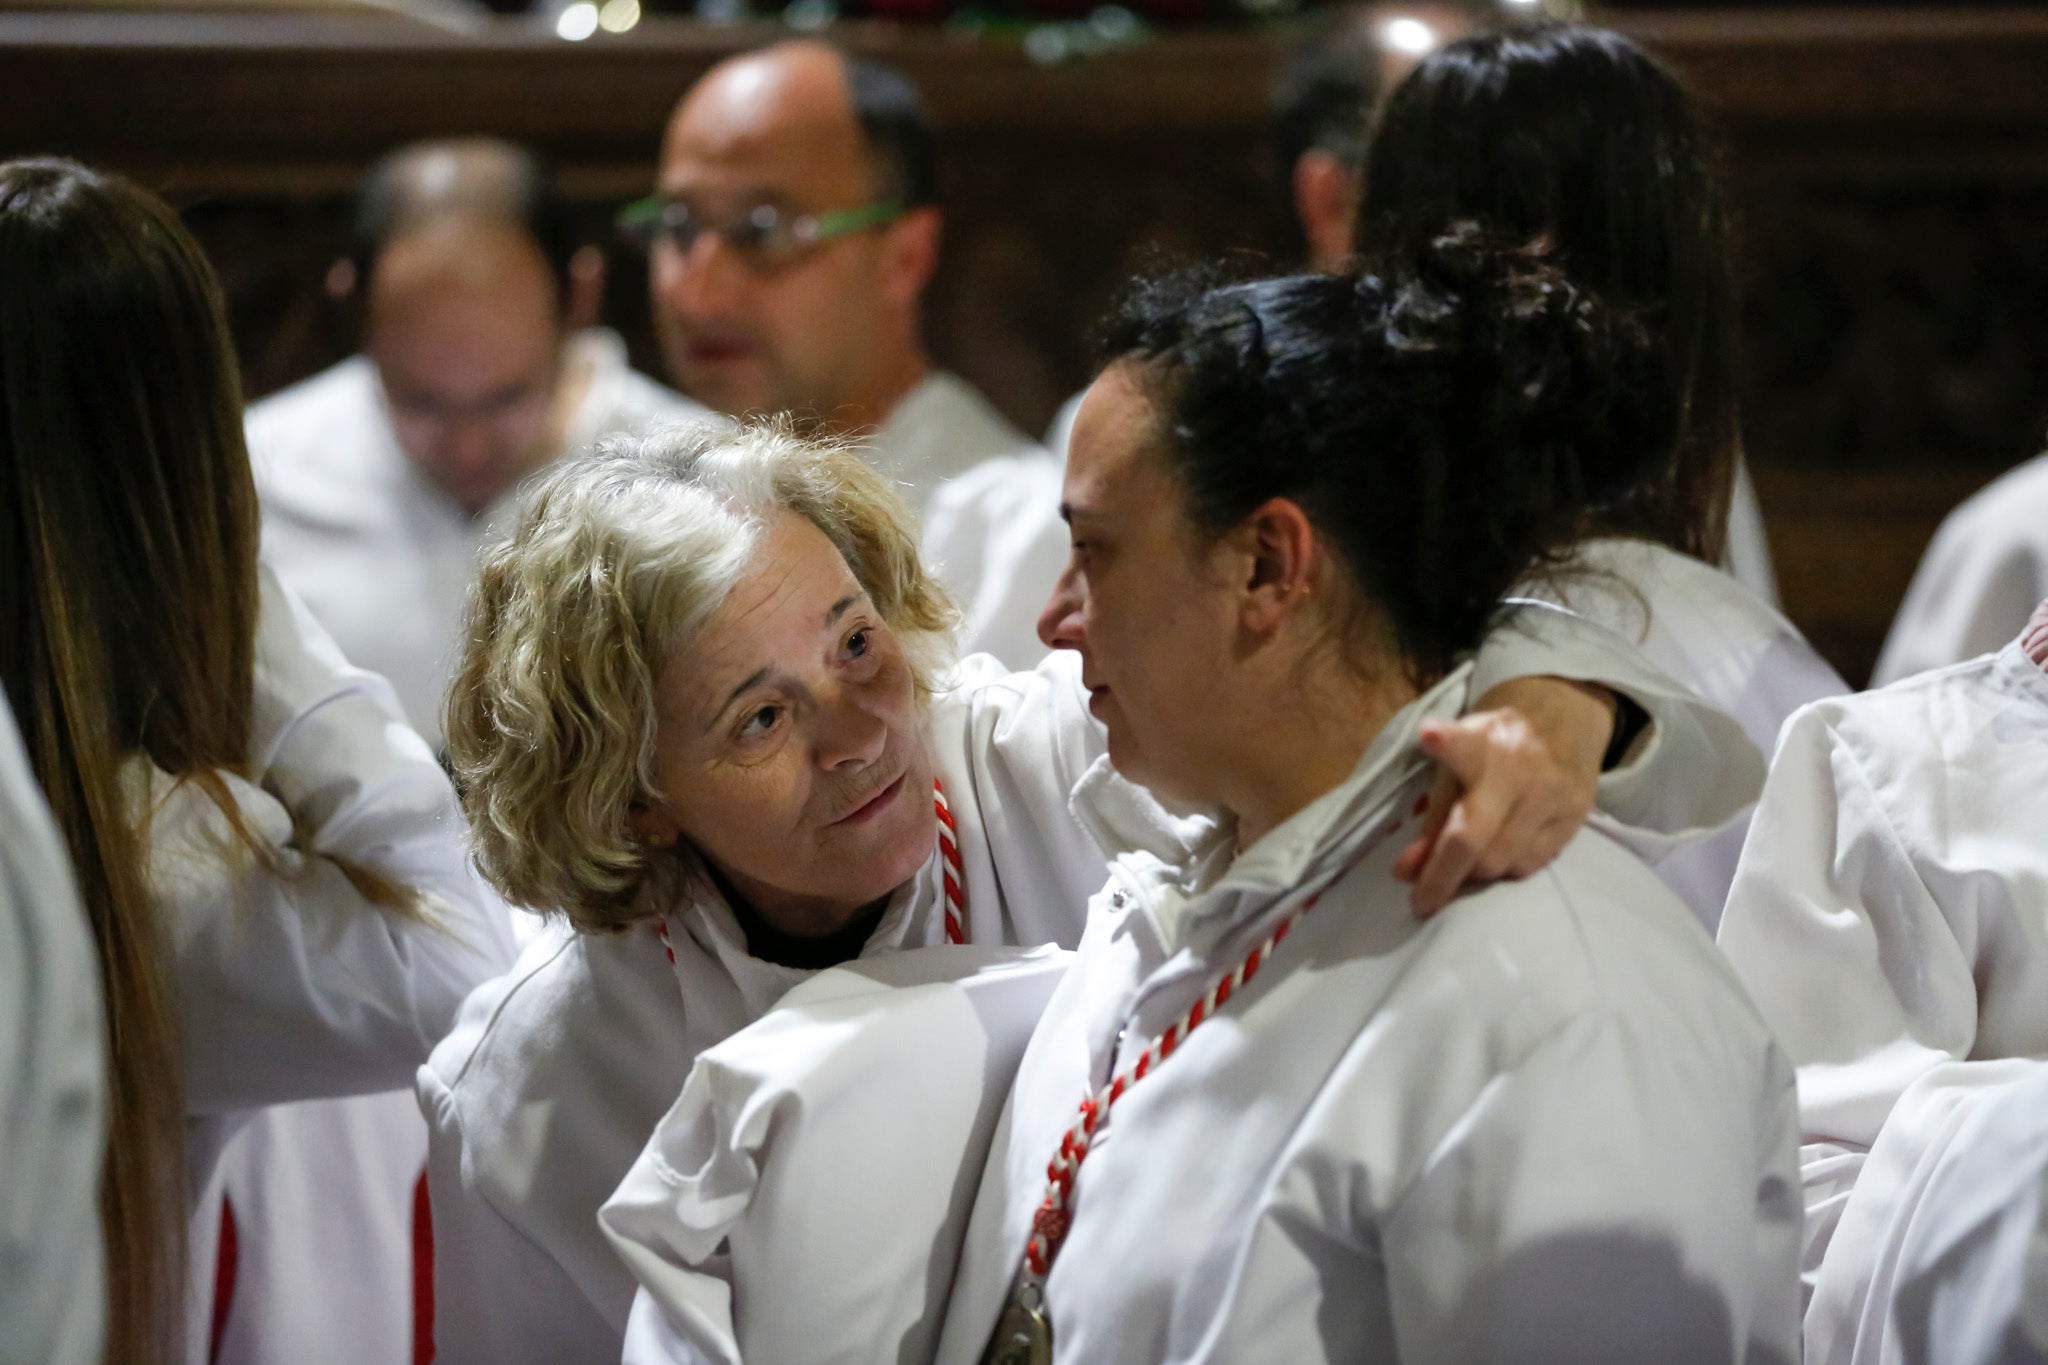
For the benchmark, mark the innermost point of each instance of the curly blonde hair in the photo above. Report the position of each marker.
(619, 559)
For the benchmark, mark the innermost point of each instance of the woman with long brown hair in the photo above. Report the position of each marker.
(269, 858)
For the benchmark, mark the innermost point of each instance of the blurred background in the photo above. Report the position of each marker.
(1888, 166)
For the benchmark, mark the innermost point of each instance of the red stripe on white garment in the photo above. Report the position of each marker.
(952, 874)
(227, 1258)
(422, 1274)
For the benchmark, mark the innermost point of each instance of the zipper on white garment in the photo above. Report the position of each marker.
(1023, 1334)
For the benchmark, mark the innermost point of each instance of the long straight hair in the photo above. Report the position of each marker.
(128, 539)
(1577, 136)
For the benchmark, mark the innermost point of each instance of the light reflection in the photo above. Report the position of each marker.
(1408, 35)
(577, 22)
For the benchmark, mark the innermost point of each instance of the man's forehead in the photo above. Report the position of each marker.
(780, 120)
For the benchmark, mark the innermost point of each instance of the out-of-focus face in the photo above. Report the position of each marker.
(465, 328)
(815, 336)
(1151, 608)
(790, 749)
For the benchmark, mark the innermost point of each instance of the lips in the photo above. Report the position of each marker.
(719, 350)
(873, 807)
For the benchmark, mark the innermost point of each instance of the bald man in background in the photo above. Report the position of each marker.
(381, 476)
(793, 232)
(380, 480)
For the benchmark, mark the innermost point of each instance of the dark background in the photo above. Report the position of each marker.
(1889, 166)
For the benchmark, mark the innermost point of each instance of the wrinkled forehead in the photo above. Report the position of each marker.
(776, 125)
(786, 592)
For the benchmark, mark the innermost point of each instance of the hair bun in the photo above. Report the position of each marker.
(1572, 368)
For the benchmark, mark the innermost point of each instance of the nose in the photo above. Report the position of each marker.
(469, 446)
(1059, 624)
(852, 731)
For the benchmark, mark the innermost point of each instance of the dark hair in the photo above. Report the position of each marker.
(128, 532)
(898, 131)
(1575, 134)
(425, 181)
(1323, 96)
(1443, 423)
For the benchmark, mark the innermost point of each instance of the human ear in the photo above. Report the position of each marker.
(653, 825)
(912, 254)
(1279, 545)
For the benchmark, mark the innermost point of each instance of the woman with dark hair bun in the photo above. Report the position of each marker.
(1285, 1120)
(1576, 136)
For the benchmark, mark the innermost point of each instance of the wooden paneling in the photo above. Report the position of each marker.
(1890, 169)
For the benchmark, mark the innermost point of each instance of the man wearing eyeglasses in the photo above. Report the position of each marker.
(380, 478)
(793, 232)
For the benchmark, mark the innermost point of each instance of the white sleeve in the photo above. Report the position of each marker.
(1691, 772)
(499, 1297)
(651, 1339)
(995, 538)
(53, 1089)
(1970, 595)
(1846, 953)
(1586, 1209)
(1970, 1277)
(293, 985)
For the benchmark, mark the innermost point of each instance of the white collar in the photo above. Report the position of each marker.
(908, 920)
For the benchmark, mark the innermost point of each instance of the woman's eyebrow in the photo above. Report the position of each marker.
(839, 608)
(753, 680)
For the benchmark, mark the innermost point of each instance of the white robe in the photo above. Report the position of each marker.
(988, 500)
(53, 1088)
(806, 1196)
(292, 986)
(1708, 631)
(1890, 916)
(1984, 571)
(1972, 1270)
(555, 1075)
(380, 554)
(384, 559)
(1543, 1126)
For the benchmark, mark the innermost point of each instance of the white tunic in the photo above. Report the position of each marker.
(1708, 631)
(382, 556)
(53, 1088)
(1890, 916)
(384, 559)
(292, 986)
(556, 1075)
(989, 499)
(805, 1197)
(1985, 569)
(1972, 1269)
(1543, 1126)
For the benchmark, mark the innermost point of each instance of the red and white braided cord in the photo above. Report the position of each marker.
(1055, 1213)
(949, 870)
(1049, 1225)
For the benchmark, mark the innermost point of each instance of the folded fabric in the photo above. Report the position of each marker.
(806, 1197)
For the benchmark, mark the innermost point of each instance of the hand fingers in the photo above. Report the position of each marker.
(1472, 826)
(1441, 798)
